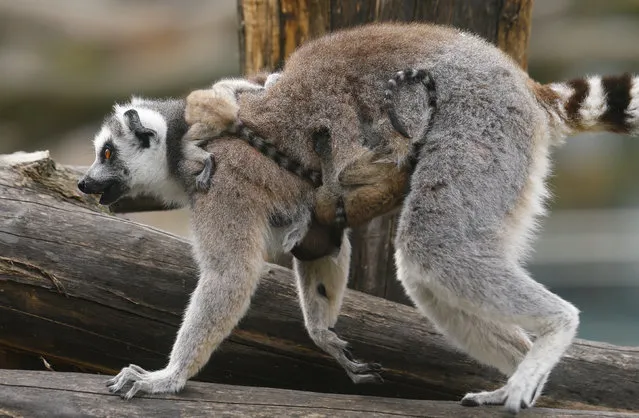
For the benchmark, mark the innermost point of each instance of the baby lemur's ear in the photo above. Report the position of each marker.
(135, 125)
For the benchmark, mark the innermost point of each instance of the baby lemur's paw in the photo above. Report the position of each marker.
(203, 180)
(201, 131)
(135, 379)
(210, 112)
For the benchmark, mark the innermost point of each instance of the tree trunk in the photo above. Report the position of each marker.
(81, 289)
(271, 30)
(46, 394)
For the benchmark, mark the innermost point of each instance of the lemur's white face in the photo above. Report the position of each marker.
(130, 155)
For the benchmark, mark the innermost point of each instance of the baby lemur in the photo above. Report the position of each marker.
(368, 187)
(475, 191)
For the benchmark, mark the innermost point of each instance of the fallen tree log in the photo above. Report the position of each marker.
(80, 287)
(46, 394)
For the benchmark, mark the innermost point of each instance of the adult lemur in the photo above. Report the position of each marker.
(475, 191)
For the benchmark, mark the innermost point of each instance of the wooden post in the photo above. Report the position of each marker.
(270, 30)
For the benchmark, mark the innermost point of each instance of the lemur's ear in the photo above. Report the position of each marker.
(141, 133)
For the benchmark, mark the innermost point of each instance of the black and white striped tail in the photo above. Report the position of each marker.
(295, 167)
(408, 76)
(269, 150)
(608, 103)
(341, 221)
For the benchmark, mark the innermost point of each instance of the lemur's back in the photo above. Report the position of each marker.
(338, 82)
(477, 183)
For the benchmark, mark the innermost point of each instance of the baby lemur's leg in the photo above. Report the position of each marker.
(370, 189)
(230, 259)
(376, 181)
(321, 285)
(209, 113)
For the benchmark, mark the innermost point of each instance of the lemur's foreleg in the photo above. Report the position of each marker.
(230, 259)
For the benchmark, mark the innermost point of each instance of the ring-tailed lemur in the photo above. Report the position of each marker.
(140, 150)
(477, 186)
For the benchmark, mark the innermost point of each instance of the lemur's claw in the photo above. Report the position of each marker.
(378, 379)
(367, 368)
(137, 380)
(375, 367)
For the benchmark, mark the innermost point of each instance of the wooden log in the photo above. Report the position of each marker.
(46, 394)
(82, 288)
(271, 30)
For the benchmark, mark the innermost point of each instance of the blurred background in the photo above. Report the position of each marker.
(63, 64)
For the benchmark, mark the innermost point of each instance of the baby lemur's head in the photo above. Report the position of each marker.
(136, 151)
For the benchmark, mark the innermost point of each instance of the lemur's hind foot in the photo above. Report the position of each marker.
(203, 180)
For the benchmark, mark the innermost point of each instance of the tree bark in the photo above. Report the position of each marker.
(47, 394)
(81, 289)
(271, 30)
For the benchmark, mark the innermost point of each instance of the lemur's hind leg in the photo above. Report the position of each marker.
(321, 285)
(487, 286)
(502, 346)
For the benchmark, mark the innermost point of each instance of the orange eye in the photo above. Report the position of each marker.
(107, 153)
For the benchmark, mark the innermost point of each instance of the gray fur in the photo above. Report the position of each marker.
(477, 187)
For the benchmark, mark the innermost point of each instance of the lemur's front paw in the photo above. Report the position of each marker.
(161, 381)
(203, 180)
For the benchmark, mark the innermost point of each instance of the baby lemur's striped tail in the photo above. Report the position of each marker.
(593, 104)
(409, 76)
